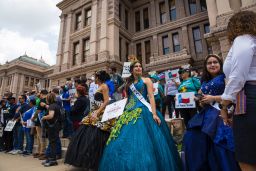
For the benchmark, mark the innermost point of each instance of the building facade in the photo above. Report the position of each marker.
(23, 74)
(98, 34)
(219, 13)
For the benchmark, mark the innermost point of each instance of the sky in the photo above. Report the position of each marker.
(31, 27)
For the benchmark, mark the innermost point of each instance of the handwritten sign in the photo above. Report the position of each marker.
(10, 125)
(155, 88)
(185, 100)
(172, 75)
(126, 70)
(114, 110)
(72, 92)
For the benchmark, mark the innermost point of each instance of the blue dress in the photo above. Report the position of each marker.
(208, 143)
(137, 143)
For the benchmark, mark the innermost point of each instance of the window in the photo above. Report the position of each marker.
(162, 12)
(78, 21)
(26, 81)
(147, 51)
(120, 12)
(197, 40)
(165, 43)
(1, 80)
(86, 49)
(127, 50)
(176, 42)
(88, 16)
(145, 18)
(206, 28)
(138, 52)
(137, 21)
(32, 82)
(203, 5)
(120, 48)
(75, 53)
(126, 19)
(172, 8)
(192, 6)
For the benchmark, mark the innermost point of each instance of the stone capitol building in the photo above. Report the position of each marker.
(163, 34)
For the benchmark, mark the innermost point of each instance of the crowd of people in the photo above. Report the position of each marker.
(219, 134)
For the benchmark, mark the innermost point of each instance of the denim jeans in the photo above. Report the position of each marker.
(68, 126)
(58, 148)
(53, 136)
(18, 137)
(29, 140)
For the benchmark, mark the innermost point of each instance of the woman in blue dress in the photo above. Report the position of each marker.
(208, 143)
(141, 139)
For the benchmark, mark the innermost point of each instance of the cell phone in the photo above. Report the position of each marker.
(199, 96)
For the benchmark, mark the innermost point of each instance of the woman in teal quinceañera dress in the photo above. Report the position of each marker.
(137, 141)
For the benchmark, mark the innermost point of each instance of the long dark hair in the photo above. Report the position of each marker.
(206, 75)
(102, 76)
(131, 79)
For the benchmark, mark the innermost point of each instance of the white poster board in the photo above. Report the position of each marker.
(10, 125)
(185, 100)
(172, 75)
(114, 110)
(72, 92)
(155, 88)
(126, 70)
(30, 124)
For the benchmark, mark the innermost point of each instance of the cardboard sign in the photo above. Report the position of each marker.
(155, 88)
(185, 100)
(1, 131)
(172, 75)
(10, 125)
(114, 110)
(72, 92)
(30, 124)
(126, 70)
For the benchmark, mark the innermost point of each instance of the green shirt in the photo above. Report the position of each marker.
(189, 85)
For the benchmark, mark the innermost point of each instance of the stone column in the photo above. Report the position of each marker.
(22, 79)
(152, 13)
(14, 84)
(155, 46)
(223, 6)
(93, 35)
(224, 46)
(103, 31)
(113, 42)
(212, 11)
(66, 55)
(185, 40)
(235, 5)
(59, 50)
(4, 83)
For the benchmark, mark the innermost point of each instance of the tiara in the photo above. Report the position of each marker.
(132, 59)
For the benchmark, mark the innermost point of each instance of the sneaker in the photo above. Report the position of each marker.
(36, 155)
(12, 151)
(17, 152)
(26, 153)
(46, 161)
(20, 151)
(51, 163)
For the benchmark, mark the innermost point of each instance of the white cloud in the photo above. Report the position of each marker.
(14, 45)
(31, 26)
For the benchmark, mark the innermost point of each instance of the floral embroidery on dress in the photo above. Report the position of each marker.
(125, 118)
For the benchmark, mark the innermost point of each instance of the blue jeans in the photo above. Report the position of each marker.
(58, 148)
(68, 126)
(18, 137)
(29, 140)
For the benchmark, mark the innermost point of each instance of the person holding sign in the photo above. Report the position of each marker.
(208, 143)
(188, 84)
(141, 139)
(86, 146)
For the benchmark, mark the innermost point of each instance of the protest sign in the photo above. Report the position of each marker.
(114, 110)
(126, 70)
(10, 125)
(172, 75)
(185, 100)
(155, 88)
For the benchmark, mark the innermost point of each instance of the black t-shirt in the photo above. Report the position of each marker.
(56, 108)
